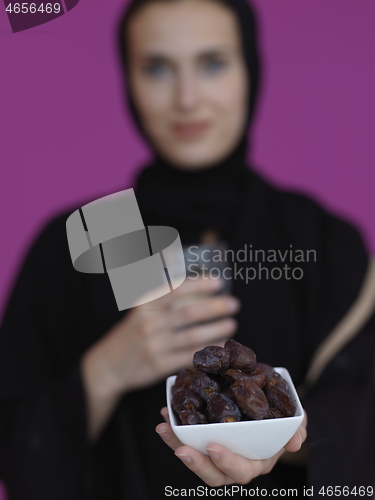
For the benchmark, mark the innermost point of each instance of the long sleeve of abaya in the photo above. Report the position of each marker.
(340, 391)
(43, 446)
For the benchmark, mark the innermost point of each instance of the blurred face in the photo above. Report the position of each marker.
(188, 80)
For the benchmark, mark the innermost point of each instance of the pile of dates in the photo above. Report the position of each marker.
(228, 385)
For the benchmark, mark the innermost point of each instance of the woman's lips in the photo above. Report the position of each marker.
(190, 130)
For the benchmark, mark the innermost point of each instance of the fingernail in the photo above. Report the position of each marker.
(213, 453)
(184, 458)
(233, 304)
(164, 434)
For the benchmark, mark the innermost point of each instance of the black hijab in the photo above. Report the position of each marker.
(207, 198)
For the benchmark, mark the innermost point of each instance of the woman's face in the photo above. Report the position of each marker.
(188, 80)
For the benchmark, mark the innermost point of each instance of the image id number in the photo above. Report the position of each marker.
(345, 491)
(32, 8)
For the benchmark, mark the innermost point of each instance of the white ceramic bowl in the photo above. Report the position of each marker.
(254, 439)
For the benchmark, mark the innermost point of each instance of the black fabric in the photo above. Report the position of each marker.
(56, 313)
(193, 202)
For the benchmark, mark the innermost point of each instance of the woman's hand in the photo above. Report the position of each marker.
(223, 467)
(154, 340)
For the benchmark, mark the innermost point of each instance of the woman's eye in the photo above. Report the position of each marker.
(214, 65)
(157, 69)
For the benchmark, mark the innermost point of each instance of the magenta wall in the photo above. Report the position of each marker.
(64, 135)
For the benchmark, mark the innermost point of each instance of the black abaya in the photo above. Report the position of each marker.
(56, 313)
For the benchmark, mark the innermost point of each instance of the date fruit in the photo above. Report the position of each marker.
(250, 398)
(260, 373)
(241, 357)
(221, 408)
(204, 386)
(278, 395)
(273, 413)
(186, 400)
(192, 417)
(183, 379)
(212, 359)
(232, 375)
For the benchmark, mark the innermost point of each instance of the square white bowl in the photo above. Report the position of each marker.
(253, 439)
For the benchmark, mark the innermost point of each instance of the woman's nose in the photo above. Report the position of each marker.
(187, 92)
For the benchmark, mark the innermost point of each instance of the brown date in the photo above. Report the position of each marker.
(212, 359)
(183, 379)
(232, 375)
(260, 373)
(186, 400)
(205, 386)
(267, 369)
(221, 408)
(250, 398)
(226, 392)
(273, 413)
(241, 357)
(192, 417)
(277, 392)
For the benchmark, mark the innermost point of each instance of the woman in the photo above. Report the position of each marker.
(71, 365)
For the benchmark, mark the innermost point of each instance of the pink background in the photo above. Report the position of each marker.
(65, 136)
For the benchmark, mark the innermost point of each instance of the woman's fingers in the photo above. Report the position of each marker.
(203, 309)
(186, 309)
(165, 432)
(239, 469)
(203, 335)
(173, 361)
(200, 286)
(196, 287)
(223, 467)
(164, 413)
(295, 443)
(202, 466)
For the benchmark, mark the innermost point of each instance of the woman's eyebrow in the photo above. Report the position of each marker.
(154, 56)
(208, 54)
(203, 54)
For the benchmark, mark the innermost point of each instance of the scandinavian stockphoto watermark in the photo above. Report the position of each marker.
(247, 263)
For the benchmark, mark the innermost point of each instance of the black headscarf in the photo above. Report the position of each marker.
(207, 198)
